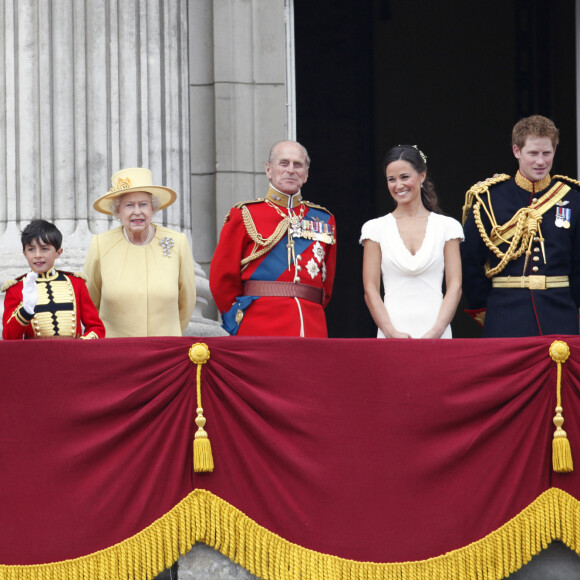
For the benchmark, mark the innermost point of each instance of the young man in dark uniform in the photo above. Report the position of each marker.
(521, 255)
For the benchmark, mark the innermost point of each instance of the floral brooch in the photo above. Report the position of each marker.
(167, 244)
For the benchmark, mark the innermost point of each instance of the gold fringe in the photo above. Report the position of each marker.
(202, 456)
(204, 517)
(561, 451)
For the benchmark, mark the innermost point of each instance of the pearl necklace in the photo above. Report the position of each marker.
(147, 240)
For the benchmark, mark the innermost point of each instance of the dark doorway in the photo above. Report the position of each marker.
(451, 77)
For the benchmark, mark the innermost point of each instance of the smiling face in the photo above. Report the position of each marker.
(404, 182)
(288, 169)
(136, 212)
(535, 158)
(40, 256)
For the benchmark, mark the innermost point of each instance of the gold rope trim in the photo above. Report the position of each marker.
(202, 456)
(268, 243)
(561, 451)
(480, 188)
(204, 517)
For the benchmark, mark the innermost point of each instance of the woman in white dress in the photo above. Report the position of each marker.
(412, 248)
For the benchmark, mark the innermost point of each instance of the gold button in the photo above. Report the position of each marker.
(535, 268)
(536, 249)
(536, 258)
(534, 200)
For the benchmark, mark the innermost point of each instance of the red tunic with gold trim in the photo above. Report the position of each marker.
(282, 239)
(63, 305)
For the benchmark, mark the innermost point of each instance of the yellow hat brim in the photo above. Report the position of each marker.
(165, 195)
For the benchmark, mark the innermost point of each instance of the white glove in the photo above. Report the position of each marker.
(30, 292)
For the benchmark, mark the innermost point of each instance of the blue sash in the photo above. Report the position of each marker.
(276, 261)
(271, 268)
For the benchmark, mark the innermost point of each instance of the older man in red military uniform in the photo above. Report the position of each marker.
(273, 268)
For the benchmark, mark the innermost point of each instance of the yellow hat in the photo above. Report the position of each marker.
(130, 180)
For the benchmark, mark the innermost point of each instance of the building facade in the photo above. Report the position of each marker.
(195, 91)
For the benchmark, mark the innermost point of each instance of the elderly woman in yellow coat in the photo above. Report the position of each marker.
(140, 274)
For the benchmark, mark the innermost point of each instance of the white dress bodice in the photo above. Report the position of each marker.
(413, 282)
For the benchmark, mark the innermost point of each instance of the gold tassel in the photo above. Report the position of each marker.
(202, 455)
(561, 450)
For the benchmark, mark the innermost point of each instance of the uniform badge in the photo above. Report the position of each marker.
(563, 215)
(318, 252)
(312, 268)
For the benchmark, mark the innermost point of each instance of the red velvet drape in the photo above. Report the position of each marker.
(379, 450)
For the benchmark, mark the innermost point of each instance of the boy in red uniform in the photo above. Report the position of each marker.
(47, 303)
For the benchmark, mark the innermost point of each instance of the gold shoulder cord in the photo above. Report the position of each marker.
(525, 219)
(522, 228)
(479, 188)
(259, 242)
(526, 227)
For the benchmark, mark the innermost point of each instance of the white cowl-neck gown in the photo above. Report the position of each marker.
(413, 282)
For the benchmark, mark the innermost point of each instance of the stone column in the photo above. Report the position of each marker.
(90, 87)
(238, 106)
(239, 80)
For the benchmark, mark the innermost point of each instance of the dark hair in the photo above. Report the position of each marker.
(41, 231)
(413, 156)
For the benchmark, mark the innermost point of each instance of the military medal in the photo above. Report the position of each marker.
(294, 228)
(317, 230)
(563, 216)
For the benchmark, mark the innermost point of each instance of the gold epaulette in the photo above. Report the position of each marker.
(479, 188)
(10, 283)
(241, 204)
(316, 206)
(568, 179)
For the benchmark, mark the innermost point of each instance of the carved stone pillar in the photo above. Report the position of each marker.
(90, 87)
(239, 105)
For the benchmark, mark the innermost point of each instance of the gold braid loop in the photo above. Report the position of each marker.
(268, 243)
(481, 187)
(527, 226)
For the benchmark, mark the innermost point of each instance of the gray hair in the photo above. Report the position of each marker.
(273, 148)
(116, 203)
